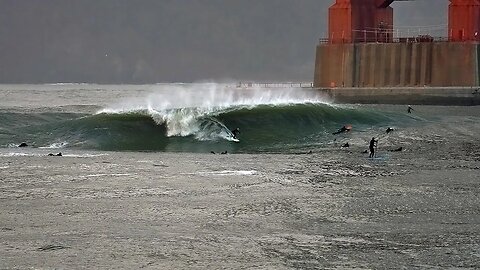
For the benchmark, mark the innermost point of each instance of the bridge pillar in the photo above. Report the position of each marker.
(360, 21)
(464, 20)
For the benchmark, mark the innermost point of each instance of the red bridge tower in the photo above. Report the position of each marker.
(360, 21)
(464, 20)
(361, 51)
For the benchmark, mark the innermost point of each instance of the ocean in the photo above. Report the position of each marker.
(188, 118)
(137, 185)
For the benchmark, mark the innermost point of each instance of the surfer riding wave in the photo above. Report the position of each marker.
(235, 132)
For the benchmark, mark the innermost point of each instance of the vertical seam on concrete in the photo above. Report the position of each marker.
(355, 66)
(363, 64)
(477, 60)
(403, 69)
(423, 64)
(430, 64)
(373, 52)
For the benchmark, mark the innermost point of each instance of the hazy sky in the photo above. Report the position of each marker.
(148, 41)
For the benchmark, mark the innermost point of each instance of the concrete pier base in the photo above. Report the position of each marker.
(460, 96)
(412, 64)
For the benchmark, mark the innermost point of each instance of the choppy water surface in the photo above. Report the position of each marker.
(332, 209)
(189, 118)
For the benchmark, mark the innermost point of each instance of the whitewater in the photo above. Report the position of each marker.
(191, 109)
(161, 117)
(137, 185)
(195, 117)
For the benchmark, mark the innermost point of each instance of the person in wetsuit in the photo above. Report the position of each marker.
(373, 144)
(410, 109)
(341, 130)
(235, 132)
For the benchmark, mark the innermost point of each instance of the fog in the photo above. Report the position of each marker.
(149, 41)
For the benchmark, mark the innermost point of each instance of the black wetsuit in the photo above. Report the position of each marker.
(343, 129)
(235, 132)
(372, 147)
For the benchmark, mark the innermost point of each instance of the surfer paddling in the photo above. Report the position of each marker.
(346, 128)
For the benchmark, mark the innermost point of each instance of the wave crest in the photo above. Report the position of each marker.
(187, 110)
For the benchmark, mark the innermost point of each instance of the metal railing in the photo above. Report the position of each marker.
(408, 35)
(422, 38)
(274, 85)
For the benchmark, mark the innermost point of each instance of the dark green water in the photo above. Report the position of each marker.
(190, 118)
(264, 128)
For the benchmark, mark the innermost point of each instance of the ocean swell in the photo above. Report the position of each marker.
(187, 111)
(195, 118)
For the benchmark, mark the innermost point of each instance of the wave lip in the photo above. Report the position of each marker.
(212, 96)
(188, 110)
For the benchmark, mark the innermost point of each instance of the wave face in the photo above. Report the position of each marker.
(194, 119)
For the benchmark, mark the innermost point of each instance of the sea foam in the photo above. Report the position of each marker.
(191, 109)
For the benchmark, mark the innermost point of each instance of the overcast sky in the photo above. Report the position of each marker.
(148, 41)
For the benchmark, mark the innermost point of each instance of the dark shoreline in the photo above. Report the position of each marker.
(448, 96)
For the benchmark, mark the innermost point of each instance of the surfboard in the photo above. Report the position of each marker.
(229, 133)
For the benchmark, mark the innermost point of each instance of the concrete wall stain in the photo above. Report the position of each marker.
(439, 64)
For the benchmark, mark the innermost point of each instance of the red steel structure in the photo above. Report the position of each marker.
(464, 20)
(360, 21)
(362, 53)
(352, 21)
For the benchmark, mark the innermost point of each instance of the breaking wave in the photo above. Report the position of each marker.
(195, 118)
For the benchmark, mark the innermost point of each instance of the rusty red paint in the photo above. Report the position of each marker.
(360, 21)
(372, 21)
(464, 20)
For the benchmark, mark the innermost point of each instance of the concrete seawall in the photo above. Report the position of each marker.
(369, 65)
(461, 96)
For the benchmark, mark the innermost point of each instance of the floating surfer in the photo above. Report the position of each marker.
(346, 128)
(389, 130)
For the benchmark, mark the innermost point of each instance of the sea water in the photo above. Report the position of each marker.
(193, 117)
(333, 209)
